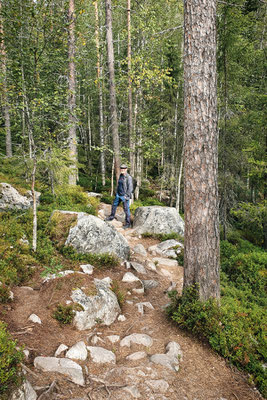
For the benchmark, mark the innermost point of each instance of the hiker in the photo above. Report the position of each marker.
(124, 194)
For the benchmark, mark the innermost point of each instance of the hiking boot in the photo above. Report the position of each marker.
(126, 226)
(110, 218)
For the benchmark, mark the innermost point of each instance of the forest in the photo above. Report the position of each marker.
(88, 85)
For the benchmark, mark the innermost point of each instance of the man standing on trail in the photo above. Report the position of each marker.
(124, 194)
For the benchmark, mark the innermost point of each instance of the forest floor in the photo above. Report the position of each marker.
(203, 375)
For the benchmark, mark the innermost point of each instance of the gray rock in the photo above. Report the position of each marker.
(113, 338)
(34, 318)
(87, 268)
(151, 265)
(150, 284)
(138, 267)
(101, 356)
(121, 318)
(136, 356)
(93, 235)
(156, 219)
(93, 194)
(165, 262)
(140, 306)
(77, 352)
(158, 385)
(11, 199)
(137, 338)
(60, 349)
(25, 392)
(165, 248)
(129, 277)
(58, 275)
(103, 307)
(171, 358)
(62, 366)
(139, 249)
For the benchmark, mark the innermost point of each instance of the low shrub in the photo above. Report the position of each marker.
(119, 292)
(164, 236)
(64, 314)
(11, 357)
(101, 261)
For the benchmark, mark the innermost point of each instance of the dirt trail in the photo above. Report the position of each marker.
(203, 375)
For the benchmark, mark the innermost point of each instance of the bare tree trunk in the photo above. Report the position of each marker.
(112, 90)
(139, 147)
(130, 92)
(100, 91)
(73, 176)
(202, 257)
(34, 229)
(5, 99)
(112, 177)
(178, 192)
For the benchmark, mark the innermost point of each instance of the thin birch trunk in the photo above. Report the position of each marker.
(112, 90)
(178, 192)
(5, 99)
(34, 231)
(73, 176)
(130, 92)
(100, 92)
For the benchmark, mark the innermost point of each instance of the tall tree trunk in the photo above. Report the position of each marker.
(112, 90)
(72, 96)
(100, 91)
(138, 134)
(130, 92)
(201, 149)
(34, 229)
(5, 99)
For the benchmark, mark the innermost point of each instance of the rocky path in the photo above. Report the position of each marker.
(141, 355)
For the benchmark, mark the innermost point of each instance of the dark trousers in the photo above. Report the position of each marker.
(126, 207)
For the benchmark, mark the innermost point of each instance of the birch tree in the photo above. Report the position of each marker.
(201, 141)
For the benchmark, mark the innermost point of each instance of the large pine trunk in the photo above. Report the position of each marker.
(112, 90)
(72, 96)
(201, 259)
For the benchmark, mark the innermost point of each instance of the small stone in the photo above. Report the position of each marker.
(129, 277)
(107, 281)
(138, 267)
(121, 318)
(101, 356)
(95, 339)
(139, 249)
(87, 268)
(129, 302)
(11, 295)
(137, 338)
(158, 385)
(68, 302)
(136, 356)
(140, 306)
(60, 349)
(26, 352)
(150, 284)
(25, 392)
(165, 262)
(113, 338)
(151, 266)
(78, 351)
(127, 264)
(34, 318)
(62, 366)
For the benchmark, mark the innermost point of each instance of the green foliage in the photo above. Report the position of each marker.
(236, 328)
(64, 314)
(251, 218)
(4, 294)
(119, 292)
(106, 198)
(11, 357)
(101, 261)
(163, 236)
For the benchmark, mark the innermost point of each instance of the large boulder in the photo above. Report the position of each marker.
(92, 235)
(11, 199)
(103, 307)
(157, 219)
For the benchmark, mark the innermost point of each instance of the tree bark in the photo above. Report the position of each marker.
(72, 96)
(5, 99)
(201, 259)
(112, 89)
(34, 229)
(100, 91)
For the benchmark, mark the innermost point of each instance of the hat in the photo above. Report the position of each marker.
(123, 166)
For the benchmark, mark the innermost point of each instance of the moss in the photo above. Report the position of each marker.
(59, 227)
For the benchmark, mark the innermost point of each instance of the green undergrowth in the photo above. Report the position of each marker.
(101, 261)
(64, 314)
(164, 236)
(237, 328)
(148, 201)
(10, 359)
